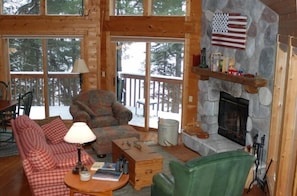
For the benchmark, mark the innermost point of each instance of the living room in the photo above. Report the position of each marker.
(97, 27)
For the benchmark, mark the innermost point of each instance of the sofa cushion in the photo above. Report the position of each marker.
(101, 102)
(39, 154)
(55, 130)
(62, 147)
(70, 159)
(29, 136)
(23, 122)
(41, 159)
(86, 108)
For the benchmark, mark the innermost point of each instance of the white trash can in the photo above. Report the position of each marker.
(168, 132)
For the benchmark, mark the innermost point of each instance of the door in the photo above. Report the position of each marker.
(149, 79)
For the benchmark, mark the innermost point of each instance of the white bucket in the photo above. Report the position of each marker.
(168, 132)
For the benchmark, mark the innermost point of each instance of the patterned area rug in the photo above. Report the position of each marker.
(7, 146)
(146, 191)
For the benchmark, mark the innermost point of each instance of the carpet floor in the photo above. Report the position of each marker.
(7, 146)
(146, 191)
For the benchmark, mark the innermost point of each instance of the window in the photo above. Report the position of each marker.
(21, 7)
(158, 7)
(128, 7)
(50, 78)
(32, 7)
(169, 7)
(65, 7)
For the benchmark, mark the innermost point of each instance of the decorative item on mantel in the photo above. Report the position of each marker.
(203, 59)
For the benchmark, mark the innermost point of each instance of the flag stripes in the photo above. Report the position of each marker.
(229, 30)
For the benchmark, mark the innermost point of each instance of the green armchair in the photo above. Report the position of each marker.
(221, 174)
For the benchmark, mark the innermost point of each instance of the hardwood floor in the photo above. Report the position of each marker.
(14, 182)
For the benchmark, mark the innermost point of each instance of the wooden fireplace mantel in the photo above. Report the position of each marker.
(251, 84)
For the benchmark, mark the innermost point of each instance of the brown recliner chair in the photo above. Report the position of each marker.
(99, 108)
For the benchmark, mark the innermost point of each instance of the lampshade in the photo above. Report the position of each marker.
(80, 66)
(79, 133)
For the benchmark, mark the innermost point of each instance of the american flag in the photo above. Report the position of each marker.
(229, 30)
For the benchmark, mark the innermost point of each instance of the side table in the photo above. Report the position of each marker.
(93, 187)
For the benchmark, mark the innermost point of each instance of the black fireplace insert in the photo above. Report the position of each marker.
(233, 114)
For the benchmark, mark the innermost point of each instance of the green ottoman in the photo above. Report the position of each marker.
(105, 135)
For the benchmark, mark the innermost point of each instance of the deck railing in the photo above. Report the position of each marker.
(165, 90)
(63, 86)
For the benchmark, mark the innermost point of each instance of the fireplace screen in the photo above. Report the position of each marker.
(233, 113)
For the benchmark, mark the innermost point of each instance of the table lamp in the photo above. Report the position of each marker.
(79, 133)
(80, 67)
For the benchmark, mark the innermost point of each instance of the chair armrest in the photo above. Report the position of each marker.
(78, 114)
(162, 185)
(121, 113)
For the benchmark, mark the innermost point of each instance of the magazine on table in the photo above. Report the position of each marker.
(103, 166)
(109, 175)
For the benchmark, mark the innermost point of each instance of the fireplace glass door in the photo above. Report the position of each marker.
(233, 113)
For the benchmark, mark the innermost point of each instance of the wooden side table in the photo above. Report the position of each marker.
(93, 187)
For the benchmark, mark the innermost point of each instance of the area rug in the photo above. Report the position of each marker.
(181, 152)
(7, 149)
(146, 191)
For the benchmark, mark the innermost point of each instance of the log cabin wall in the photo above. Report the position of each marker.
(187, 27)
(85, 26)
(96, 27)
(282, 176)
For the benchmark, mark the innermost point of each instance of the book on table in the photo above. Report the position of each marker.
(103, 166)
(109, 175)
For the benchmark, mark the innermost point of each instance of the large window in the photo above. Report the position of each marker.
(32, 7)
(155, 7)
(44, 65)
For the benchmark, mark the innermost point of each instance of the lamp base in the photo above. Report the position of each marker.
(78, 168)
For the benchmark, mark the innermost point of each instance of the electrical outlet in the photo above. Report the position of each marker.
(190, 99)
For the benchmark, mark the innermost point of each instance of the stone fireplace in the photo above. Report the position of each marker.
(258, 58)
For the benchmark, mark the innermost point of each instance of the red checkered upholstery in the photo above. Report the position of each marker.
(45, 164)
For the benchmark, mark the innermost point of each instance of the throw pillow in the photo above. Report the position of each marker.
(55, 130)
(46, 120)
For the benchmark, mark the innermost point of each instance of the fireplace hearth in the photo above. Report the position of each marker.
(232, 118)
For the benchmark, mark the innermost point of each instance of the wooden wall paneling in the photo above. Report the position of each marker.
(192, 47)
(281, 6)
(287, 158)
(277, 111)
(149, 26)
(287, 25)
(4, 66)
(110, 66)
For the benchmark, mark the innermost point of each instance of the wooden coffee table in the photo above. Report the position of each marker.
(143, 162)
(93, 187)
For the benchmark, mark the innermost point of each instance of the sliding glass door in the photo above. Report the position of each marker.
(149, 79)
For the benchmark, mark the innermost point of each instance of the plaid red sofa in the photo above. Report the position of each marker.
(45, 156)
